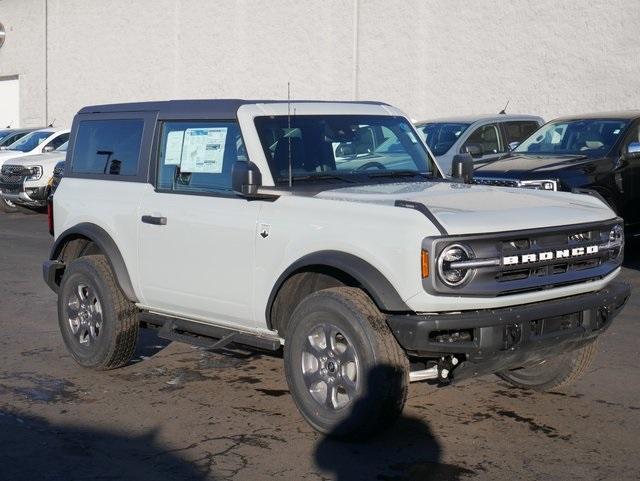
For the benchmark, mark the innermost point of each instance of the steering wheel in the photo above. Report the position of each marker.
(372, 165)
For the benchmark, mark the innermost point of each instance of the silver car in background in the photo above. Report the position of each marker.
(485, 137)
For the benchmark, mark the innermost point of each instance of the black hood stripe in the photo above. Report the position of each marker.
(424, 210)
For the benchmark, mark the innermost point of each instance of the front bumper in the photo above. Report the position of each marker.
(494, 340)
(29, 196)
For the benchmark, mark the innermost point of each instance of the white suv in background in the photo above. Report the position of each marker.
(485, 137)
(36, 142)
(26, 181)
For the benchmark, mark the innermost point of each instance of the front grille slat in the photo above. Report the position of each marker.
(12, 174)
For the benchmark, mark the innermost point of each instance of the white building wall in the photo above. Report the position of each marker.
(429, 57)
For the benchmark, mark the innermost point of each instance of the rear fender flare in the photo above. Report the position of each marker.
(107, 246)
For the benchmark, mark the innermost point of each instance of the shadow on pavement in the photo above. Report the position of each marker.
(407, 451)
(33, 449)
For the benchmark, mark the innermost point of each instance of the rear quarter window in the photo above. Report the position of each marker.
(109, 147)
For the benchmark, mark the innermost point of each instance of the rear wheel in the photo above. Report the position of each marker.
(555, 373)
(347, 374)
(98, 323)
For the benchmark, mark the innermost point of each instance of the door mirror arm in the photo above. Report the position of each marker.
(246, 181)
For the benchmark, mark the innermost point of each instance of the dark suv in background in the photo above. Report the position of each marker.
(597, 154)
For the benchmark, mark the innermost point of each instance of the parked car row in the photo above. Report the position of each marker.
(598, 154)
(27, 165)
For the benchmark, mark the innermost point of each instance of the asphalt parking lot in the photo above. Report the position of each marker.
(178, 412)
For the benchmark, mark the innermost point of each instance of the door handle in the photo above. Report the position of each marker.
(150, 219)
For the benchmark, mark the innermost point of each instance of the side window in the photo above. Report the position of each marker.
(58, 141)
(110, 147)
(486, 138)
(517, 131)
(198, 156)
(633, 136)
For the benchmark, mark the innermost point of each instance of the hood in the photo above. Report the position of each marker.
(519, 164)
(38, 159)
(473, 209)
(6, 155)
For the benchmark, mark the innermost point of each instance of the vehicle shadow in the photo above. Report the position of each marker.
(632, 254)
(407, 451)
(149, 344)
(32, 448)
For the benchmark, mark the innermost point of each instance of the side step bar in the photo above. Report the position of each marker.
(204, 335)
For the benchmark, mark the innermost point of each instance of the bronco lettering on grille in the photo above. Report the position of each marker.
(549, 255)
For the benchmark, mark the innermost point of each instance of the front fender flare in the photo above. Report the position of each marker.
(374, 283)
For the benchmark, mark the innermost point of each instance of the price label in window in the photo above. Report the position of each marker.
(203, 150)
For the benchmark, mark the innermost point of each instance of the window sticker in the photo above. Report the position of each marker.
(203, 150)
(173, 149)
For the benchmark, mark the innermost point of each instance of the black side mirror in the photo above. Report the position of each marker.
(475, 150)
(246, 178)
(462, 168)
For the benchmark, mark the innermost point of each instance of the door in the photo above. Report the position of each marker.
(484, 143)
(55, 142)
(196, 238)
(515, 131)
(10, 102)
(627, 177)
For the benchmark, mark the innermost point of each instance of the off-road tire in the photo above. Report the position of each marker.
(118, 334)
(382, 376)
(553, 374)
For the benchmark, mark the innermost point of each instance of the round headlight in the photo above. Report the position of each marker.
(616, 234)
(451, 274)
(616, 240)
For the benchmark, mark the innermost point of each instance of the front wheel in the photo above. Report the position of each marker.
(347, 374)
(554, 373)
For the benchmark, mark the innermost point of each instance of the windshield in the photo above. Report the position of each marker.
(340, 145)
(593, 137)
(29, 141)
(440, 136)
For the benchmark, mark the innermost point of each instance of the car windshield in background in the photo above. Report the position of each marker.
(593, 137)
(440, 136)
(322, 146)
(29, 141)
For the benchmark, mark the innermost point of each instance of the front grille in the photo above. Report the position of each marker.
(531, 260)
(12, 174)
(497, 182)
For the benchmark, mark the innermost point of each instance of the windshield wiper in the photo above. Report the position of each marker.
(399, 173)
(321, 177)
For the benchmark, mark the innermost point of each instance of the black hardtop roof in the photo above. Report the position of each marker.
(218, 108)
(621, 114)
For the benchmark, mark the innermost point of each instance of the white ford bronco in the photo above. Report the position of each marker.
(324, 229)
